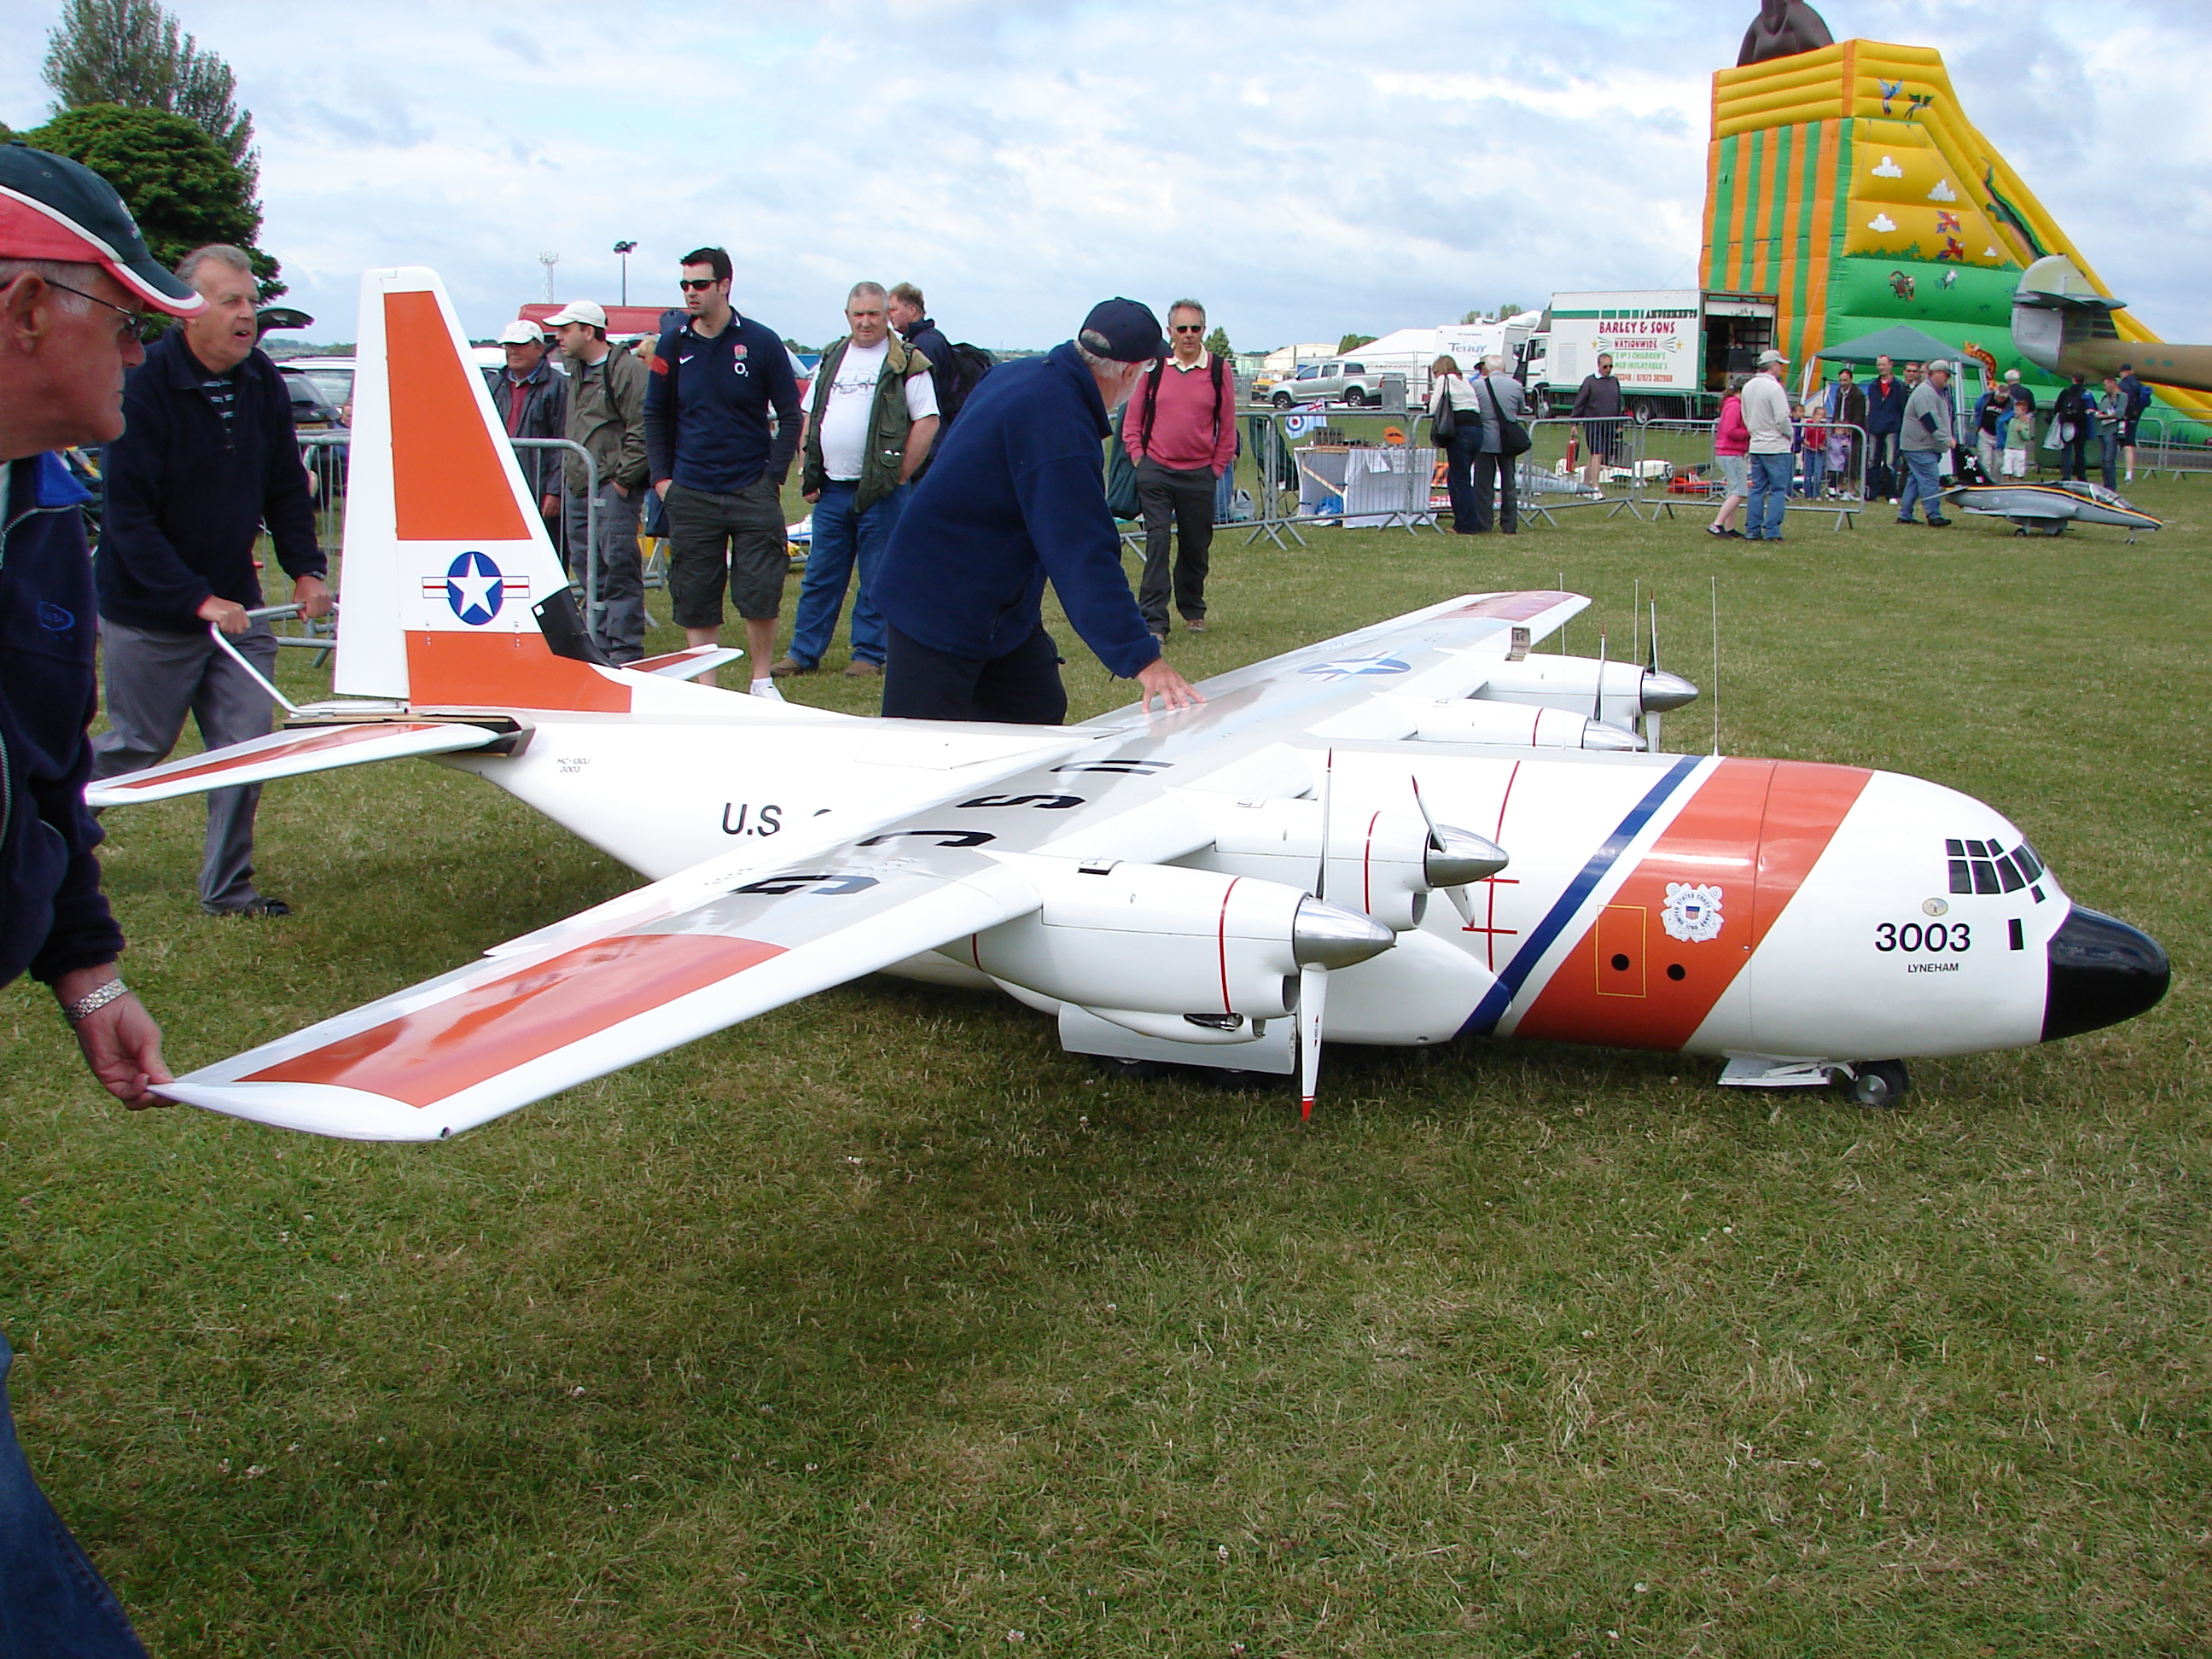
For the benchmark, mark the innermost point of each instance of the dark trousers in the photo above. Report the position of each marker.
(1022, 688)
(1459, 481)
(53, 1601)
(1184, 498)
(1496, 474)
(1882, 452)
(2077, 453)
(154, 679)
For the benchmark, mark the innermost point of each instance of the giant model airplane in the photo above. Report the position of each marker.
(1223, 886)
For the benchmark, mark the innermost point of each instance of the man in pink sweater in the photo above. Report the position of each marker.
(1181, 431)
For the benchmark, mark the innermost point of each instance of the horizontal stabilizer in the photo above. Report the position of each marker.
(683, 665)
(286, 755)
(665, 966)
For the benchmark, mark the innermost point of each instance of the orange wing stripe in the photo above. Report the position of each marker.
(307, 743)
(446, 480)
(1511, 607)
(428, 1056)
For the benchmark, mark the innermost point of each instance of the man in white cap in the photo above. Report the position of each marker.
(75, 280)
(606, 415)
(1767, 416)
(532, 401)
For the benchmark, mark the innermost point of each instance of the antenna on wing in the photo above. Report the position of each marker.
(1313, 976)
(1597, 701)
(1648, 719)
(1716, 664)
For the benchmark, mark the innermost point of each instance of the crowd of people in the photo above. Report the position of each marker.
(1899, 436)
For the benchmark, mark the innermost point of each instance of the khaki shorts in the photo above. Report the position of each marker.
(738, 539)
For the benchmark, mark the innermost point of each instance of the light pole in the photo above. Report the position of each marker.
(549, 260)
(624, 249)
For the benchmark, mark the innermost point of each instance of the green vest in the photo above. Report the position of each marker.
(888, 425)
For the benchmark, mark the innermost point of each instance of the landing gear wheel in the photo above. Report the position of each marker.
(1134, 1070)
(1879, 1084)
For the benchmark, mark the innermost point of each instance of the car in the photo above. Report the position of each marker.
(322, 392)
(1342, 380)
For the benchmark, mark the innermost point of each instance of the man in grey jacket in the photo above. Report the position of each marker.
(1767, 418)
(1928, 438)
(1499, 396)
(606, 415)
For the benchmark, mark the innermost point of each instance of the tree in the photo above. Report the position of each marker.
(1217, 342)
(1352, 343)
(177, 182)
(134, 52)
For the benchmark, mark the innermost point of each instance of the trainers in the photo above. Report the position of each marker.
(259, 907)
(784, 667)
(859, 670)
(1194, 624)
(1939, 524)
(767, 689)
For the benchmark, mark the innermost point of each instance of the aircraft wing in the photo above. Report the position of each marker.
(632, 978)
(288, 754)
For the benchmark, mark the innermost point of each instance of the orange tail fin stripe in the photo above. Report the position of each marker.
(447, 482)
(505, 670)
(432, 1054)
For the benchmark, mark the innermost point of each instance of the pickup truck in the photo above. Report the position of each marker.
(1340, 381)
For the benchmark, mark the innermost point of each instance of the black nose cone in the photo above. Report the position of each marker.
(2102, 971)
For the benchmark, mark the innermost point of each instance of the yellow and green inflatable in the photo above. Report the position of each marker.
(1848, 182)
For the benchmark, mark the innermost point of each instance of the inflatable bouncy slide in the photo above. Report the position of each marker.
(1847, 181)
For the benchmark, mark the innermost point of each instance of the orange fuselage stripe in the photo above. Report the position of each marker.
(1754, 830)
(436, 1052)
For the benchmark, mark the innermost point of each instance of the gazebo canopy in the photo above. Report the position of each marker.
(1902, 343)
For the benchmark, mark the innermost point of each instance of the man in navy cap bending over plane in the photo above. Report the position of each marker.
(1018, 495)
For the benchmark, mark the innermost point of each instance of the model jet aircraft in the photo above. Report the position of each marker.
(2038, 510)
(1224, 886)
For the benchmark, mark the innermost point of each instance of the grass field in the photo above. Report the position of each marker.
(881, 1327)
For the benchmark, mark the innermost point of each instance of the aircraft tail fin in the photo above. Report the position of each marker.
(451, 594)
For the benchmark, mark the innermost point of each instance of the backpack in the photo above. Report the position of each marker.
(969, 364)
(1121, 474)
(2138, 401)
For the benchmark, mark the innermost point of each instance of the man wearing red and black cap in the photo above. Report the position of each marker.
(1016, 496)
(75, 281)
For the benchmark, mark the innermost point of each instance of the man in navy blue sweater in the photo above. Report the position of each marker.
(1016, 494)
(74, 277)
(717, 465)
(208, 457)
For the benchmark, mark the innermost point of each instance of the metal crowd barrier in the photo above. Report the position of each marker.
(2173, 444)
(326, 465)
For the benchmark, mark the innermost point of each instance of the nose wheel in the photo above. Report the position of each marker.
(1879, 1085)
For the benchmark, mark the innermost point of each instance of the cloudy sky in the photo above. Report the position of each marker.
(1305, 168)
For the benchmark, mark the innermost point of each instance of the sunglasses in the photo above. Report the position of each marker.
(1189, 328)
(697, 284)
(134, 326)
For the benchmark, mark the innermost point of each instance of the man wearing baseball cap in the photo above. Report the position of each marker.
(1766, 417)
(532, 401)
(1016, 496)
(75, 279)
(606, 415)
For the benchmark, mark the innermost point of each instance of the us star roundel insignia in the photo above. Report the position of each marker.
(474, 587)
(1692, 912)
(1345, 668)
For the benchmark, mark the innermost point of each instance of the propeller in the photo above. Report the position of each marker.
(1456, 858)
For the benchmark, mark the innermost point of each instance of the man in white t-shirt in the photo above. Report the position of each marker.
(871, 426)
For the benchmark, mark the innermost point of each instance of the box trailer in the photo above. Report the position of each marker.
(1673, 349)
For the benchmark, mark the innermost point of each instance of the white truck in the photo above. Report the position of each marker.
(1673, 349)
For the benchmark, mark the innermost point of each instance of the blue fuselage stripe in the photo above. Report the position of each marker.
(1492, 1008)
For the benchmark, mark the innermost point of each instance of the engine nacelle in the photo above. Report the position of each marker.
(1379, 863)
(1532, 726)
(1154, 938)
(1547, 680)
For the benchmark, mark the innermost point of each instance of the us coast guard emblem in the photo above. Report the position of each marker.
(1692, 912)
